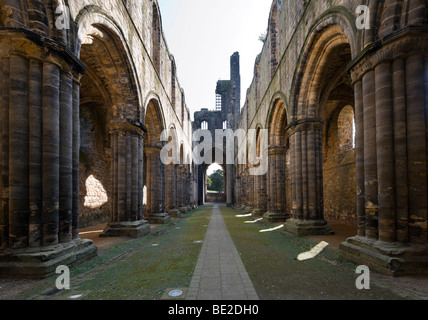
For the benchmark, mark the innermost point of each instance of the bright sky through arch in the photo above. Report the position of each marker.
(213, 168)
(203, 34)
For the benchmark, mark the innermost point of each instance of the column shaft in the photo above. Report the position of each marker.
(35, 154)
(18, 153)
(4, 156)
(359, 145)
(416, 149)
(66, 159)
(51, 148)
(400, 149)
(76, 156)
(385, 152)
(370, 162)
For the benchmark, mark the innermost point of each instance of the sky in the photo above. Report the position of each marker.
(202, 35)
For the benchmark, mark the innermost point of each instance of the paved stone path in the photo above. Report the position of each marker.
(219, 273)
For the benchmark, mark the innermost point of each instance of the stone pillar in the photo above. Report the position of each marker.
(250, 191)
(392, 146)
(189, 196)
(156, 189)
(276, 185)
(181, 188)
(171, 190)
(229, 185)
(38, 218)
(260, 196)
(244, 191)
(307, 180)
(126, 218)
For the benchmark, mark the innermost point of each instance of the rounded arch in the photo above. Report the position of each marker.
(278, 95)
(325, 65)
(171, 137)
(103, 47)
(277, 120)
(332, 32)
(258, 129)
(154, 121)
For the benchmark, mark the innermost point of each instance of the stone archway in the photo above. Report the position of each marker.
(277, 180)
(111, 154)
(155, 169)
(323, 88)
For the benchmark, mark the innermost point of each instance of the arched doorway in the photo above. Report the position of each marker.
(322, 91)
(111, 134)
(277, 180)
(155, 169)
(214, 184)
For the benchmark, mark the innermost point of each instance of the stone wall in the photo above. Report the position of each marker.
(315, 62)
(215, 198)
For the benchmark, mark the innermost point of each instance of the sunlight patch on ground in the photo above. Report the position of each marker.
(272, 229)
(255, 221)
(244, 215)
(313, 253)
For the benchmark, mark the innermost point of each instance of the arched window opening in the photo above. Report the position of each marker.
(204, 125)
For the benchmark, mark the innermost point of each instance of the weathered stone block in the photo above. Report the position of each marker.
(393, 259)
(306, 227)
(135, 229)
(39, 263)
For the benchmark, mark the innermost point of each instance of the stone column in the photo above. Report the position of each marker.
(250, 191)
(276, 185)
(229, 185)
(171, 190)
(38, 218)
(391, 111)
(156, 189)
(126, 218)
(307, 180)
(244, 191)
(181, 188)
(260, 196)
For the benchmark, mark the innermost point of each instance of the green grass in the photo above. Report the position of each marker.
(271, 262)
(135, 269)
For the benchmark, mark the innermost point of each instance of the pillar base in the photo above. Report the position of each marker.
(159, 218)
(392, 259)
(248, 209)
(275, 216)
(175, 213)
(40, 263)
(134, 230)
(308, 227)
(258, 212)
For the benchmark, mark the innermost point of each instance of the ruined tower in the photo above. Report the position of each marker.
(226, 116)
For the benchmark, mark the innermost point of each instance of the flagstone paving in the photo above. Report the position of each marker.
(220, 273)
